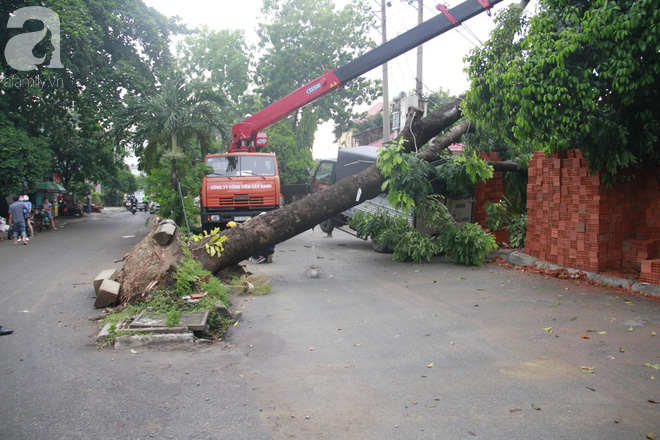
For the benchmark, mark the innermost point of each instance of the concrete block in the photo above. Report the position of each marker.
(110, 274)
(520, 259)
(157, 330)
(647, 289)
(222, 310)
(104, 334)
(164, 233)
(107, 294)
(153, 340)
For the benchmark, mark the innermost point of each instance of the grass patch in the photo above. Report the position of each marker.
(248, 284)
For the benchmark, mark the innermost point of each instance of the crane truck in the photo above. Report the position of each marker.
(244, 182)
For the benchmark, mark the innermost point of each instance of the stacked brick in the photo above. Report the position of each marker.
(576, 221)
(650, 271)
(490, 191)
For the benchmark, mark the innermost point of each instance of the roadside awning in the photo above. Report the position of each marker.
(50, 187)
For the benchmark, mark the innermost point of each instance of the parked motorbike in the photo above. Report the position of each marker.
(41, 220)
(73, 209)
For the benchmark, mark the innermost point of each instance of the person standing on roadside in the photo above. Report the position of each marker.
(48, 208)
(17, 220)
(89, 203)
(28, 219)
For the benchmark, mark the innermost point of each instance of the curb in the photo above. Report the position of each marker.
(154, 339)
(520, 259)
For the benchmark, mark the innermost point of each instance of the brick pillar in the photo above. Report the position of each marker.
(490, 191)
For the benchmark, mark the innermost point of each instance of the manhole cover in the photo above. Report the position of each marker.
(195, 321)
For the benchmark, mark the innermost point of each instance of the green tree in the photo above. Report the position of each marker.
(579, 74)
(220, 56)
(107, 49)
(439, 98)
(298, 39)
(25, 158)
(181, 117)
(118, 182)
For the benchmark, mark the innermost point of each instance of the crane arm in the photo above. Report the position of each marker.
(245, 134)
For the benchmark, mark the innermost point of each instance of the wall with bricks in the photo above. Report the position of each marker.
(576, 221)
(490, 191)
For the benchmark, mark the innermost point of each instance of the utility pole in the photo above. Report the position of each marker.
(386, 95)
(420, 57)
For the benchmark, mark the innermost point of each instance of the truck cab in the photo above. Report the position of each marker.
(237, 187)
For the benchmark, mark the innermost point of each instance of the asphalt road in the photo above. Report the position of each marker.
(371, 349)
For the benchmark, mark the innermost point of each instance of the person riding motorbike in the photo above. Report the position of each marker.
(133, 201)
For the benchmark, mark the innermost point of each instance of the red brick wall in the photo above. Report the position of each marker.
(490, 191)
(574, 220)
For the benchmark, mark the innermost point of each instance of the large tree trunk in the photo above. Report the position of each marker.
(277, 226)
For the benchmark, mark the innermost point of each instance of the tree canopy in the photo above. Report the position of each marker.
(221, 57)
(181, 121)
(298, 39)
(106, 49)
(578, 74)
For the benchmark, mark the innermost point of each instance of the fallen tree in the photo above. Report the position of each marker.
(148, 262)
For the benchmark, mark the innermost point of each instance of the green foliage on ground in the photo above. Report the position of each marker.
(466, 243)
(408, 183)
(214, 246)
(384, 229)
(500, 216)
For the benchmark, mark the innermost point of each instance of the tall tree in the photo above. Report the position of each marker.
(221, 57)
(298, 40)
(106, 49)
(579, 74)
(181, 116)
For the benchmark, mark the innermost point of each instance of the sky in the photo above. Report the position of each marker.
(443, 56)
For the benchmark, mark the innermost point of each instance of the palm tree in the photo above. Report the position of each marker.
(179, 116)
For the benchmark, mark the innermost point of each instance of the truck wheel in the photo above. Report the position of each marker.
(327, 226)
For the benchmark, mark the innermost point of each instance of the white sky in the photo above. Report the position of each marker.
(443, 56)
